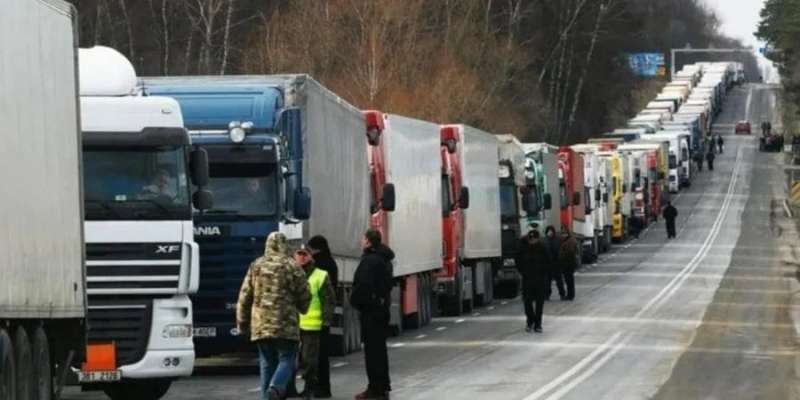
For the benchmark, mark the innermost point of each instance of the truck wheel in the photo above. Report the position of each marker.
(414, 321)
(42, 369)
(24, 364)
(8, 387)
(140, 389)
(453, 306)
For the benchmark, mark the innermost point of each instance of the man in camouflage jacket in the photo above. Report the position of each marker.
(273, 294)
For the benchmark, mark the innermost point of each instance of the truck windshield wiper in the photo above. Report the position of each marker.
(105, 206)
(155, 203)
(221, 212)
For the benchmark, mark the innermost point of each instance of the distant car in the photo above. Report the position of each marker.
(743, 127)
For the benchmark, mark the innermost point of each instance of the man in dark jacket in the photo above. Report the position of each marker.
(670, 214)
(710, 158)
(323, 259)
(568, 258)
(553, 243)
(532, 261)
(698, 159)
(371, 296)
(720, 143)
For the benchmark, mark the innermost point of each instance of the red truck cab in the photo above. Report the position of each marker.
(377, 172)
(455, 198)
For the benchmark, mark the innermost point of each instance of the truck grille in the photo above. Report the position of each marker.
(133, 268)
(127, 325)
(223, 265)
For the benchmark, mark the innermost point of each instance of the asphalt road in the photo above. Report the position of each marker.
(709, 315)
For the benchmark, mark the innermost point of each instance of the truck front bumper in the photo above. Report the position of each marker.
(170, 352)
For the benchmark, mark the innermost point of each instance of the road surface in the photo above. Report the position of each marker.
(709, 315)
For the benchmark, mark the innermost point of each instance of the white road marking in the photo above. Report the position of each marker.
(503, 302)
(441, 328)
(476, 314)
(397, 345)
(254, 390)
(617, 341)
(339, 364)
(460, 320)
(490, 308)
(423, 336)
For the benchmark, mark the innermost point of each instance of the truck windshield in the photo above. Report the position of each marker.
(508, 200)
(243, 189)
(136, 183)
(673, 161)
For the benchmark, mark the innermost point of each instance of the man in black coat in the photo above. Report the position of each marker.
(710, 158)
(371, 296)
(670, 214)
(553, 245)
(323, 259)
(532, 262)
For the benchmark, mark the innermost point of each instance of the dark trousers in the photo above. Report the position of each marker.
(558, 277)
(309, 358)
(569, 280)
(529, 300)
(324, 369)
(376, 357)
(710, 165)
(671, 229)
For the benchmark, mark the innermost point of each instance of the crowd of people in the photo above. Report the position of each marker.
(286, 307)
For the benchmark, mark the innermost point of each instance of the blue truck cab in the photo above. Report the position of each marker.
(254, 148)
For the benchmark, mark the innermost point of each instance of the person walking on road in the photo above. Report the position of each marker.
(568, 258)
(372, 285)
(553, 244)
(720, 143)
(273, 294)
(319, 315)
(670, 214)
(710, 158)
(532, 263)
(323, 259)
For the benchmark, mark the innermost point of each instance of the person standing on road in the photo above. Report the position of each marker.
(532, 263)
(274, 293)
(553, 243)
(319, 315)
(720, 143)
(670, 214)
(710, 158)
(698, 159)
(372, 285)
(323, 259)
(568, 258)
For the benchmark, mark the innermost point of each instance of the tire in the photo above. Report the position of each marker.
(8, 378)
(452, 305)
(415, 321)
(23, 358)
(42, 366)
(144, 389)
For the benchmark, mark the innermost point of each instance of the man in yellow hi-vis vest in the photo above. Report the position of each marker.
(319, 315)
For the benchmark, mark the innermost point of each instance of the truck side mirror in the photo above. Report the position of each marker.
(605, 198)
(198, 163)
(526, 202)
(576, 199)
(624, 188)
(302, 203)
(388, 200)
(597, 195)
(202, 199)
(463, 199)
(548, 201)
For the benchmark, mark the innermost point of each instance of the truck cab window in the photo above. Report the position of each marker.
(243, 190)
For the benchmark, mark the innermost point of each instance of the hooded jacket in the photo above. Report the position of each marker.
(324, 260)
(372, 283)
(273, 294)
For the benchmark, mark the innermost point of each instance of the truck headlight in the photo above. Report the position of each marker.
(237, 135)
(176, 331)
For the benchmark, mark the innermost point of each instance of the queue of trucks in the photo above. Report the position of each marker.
(146, 199)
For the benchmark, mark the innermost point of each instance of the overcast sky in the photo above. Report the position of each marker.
(739, 18)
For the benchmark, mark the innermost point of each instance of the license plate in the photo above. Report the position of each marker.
(204, 332)
(99, 376)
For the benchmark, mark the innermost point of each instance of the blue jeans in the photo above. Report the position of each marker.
(277, 364)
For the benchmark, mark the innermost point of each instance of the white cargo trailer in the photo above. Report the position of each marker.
(42, 273)
(482, 244)
(414, 228)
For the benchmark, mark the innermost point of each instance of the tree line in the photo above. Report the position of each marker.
(552, 70)
(780, 29)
